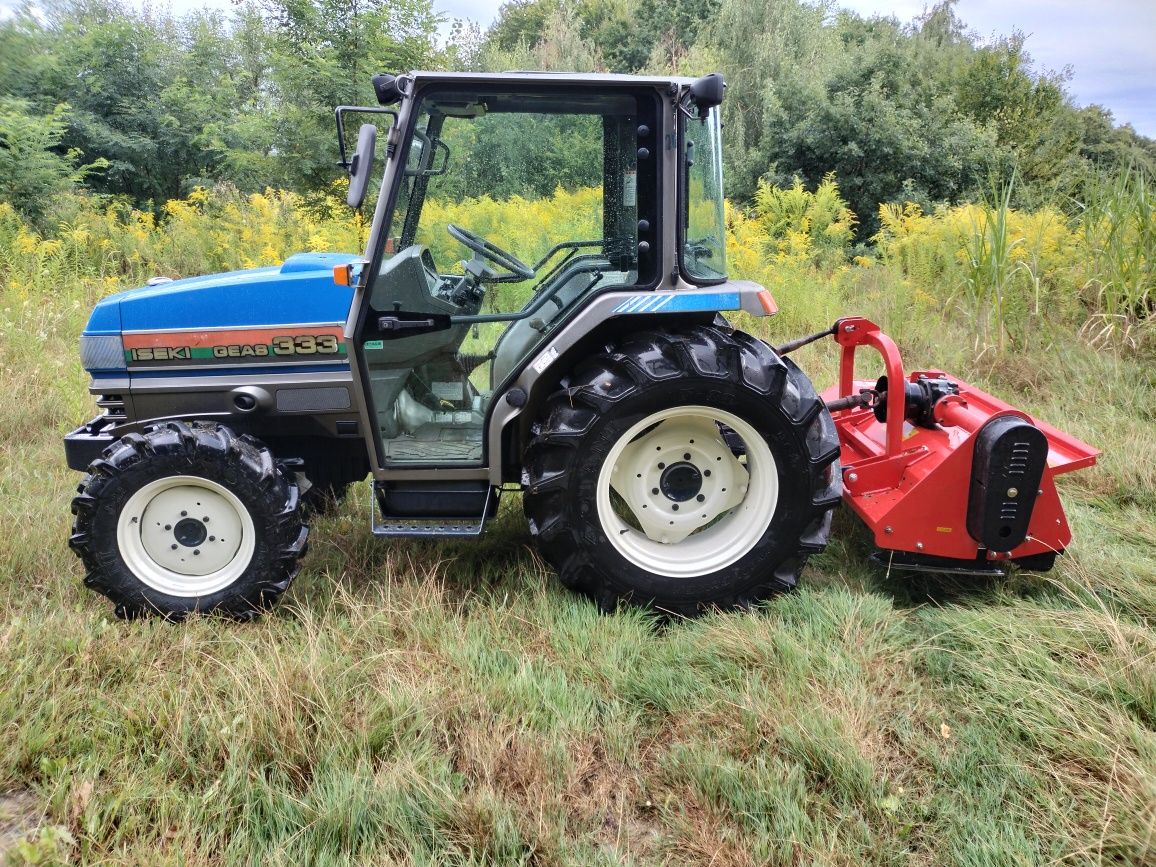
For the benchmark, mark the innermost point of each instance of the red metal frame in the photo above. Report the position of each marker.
(910, 484)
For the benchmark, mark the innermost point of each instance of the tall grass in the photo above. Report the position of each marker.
(1118, 227)
(1091, 271)
(447, 703)
(989, 266)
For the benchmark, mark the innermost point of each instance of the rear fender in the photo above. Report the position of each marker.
(607, 317)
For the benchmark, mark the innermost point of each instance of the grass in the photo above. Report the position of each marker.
(449, 703)
(1118, 219)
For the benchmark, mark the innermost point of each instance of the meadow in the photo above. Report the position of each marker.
(450, 704)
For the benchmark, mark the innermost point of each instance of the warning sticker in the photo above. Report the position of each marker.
(630, 190)
(447, 390)
(546, 359)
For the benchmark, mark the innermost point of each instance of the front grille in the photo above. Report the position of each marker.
(112, 404)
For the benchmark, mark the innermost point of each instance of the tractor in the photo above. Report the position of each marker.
(663, 457)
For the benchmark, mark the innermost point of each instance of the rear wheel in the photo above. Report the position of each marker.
(188, 518)
(682, 471)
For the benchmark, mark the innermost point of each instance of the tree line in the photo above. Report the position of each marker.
(146, 106)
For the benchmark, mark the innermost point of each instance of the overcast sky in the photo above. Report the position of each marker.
(1109, 44)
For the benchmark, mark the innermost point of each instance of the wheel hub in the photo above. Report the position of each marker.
(680, 482)
(686, 504)
(190, 532)
(679, 477)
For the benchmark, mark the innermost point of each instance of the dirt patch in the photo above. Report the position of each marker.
(20, 813)
(610, 799)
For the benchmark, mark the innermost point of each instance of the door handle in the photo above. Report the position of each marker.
(392, 323)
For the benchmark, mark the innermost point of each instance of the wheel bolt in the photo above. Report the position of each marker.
(168, 526)
(701, 498)
(196, 551)
(654, 490)
(706, 472)
(686, 456)
(184, 514)
(661, 465)
(674, 506)
(205, 519)
(212, 538)
(174, 546)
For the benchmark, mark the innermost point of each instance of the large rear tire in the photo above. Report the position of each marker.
(188, 518)
(683, 472)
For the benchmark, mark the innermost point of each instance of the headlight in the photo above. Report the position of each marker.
(102, 352)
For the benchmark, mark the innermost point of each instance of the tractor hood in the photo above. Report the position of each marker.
(299, 291)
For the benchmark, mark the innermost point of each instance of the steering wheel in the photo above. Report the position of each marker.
(487, 250)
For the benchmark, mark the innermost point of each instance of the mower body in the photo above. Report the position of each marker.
(948, 480)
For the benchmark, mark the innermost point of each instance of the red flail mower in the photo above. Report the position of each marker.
(948, 477)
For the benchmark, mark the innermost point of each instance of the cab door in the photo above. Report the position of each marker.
(516, 205)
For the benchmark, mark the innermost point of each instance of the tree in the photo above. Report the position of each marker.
(32, 168)
(324, 54)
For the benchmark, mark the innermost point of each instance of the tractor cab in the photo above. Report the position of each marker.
(513, 201)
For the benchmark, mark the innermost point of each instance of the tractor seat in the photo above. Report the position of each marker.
(523, 335)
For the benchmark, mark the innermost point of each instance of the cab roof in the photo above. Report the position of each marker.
(546, 77)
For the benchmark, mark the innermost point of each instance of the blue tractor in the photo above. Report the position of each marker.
(663, 458)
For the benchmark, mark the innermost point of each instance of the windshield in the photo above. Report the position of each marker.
(526, 172)
(704, 226)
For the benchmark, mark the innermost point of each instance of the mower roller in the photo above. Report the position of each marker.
(587, 360)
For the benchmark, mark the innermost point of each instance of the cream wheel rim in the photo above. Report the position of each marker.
(186, 536)
(686, 504)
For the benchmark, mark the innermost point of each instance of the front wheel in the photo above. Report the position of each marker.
(683, 471)
(188, 518)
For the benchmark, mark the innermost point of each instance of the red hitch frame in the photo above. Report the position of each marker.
(911, 482)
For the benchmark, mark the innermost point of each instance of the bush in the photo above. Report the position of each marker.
(800, 226)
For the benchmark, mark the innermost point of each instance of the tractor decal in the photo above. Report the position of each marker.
(680, 302)
(277, 344)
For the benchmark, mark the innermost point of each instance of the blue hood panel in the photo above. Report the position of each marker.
(300, 291)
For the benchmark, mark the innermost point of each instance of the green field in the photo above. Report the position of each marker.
(449, 703)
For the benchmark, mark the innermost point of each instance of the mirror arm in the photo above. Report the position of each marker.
(339, 117)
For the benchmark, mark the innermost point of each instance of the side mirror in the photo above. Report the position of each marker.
(708, 92)
(361, 165)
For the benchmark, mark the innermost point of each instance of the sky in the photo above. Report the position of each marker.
(1107, 44)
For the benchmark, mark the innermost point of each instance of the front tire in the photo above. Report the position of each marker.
(682, 472)
(188, 518)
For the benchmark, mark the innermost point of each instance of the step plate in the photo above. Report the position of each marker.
(393, 525)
